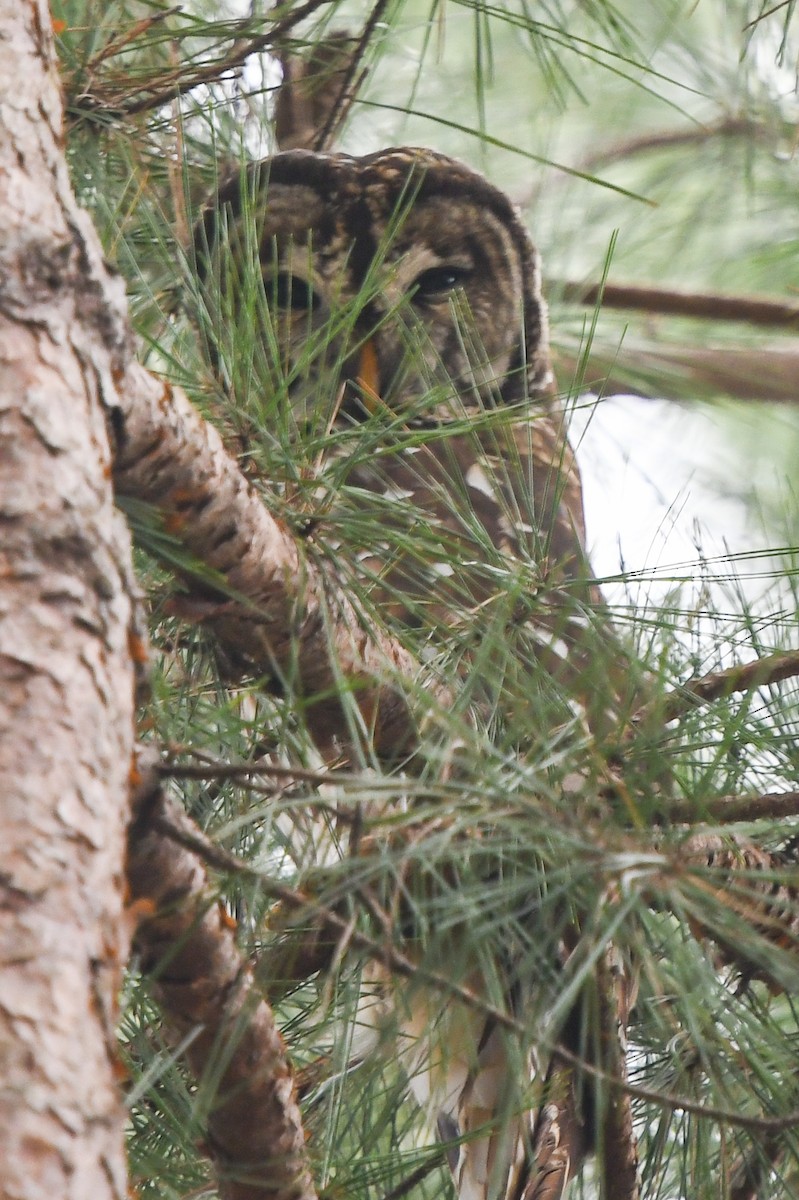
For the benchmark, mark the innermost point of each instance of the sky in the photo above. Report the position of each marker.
(648, 484)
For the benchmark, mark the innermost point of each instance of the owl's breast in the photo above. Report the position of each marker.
(459, 518)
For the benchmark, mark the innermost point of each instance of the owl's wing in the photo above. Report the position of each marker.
(482, 527)
(513, 481)
(501, 500)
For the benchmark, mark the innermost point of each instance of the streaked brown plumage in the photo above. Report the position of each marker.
(439, 287)
(403, 288)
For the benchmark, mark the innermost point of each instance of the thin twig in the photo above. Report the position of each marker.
(178, 83)
(431, 1164)
(768, 13)
(217, 770)
(116, 44)
(727, 127)
(703, 689)
(345, 95)
(389, 786)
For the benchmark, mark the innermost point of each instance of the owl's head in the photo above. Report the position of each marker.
(391, 274)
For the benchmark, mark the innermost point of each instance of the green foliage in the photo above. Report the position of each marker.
(675, 123)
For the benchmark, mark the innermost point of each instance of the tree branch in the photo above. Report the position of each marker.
(668, 302)
(725, 127)
(775, 806)
(205, 986)
(769, 373)
(715, 685)
(274, 612)
(166, 85)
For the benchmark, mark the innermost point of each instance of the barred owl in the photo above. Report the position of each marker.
(402, 293)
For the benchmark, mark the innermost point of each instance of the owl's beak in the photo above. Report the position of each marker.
(368, 376)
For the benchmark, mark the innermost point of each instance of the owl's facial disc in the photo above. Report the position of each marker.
(437, 283)
(293, 293)
(406, 250)
(446, 331)
(393, 345)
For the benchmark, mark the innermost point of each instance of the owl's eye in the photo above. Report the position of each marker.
(438, 281)
(292, 293)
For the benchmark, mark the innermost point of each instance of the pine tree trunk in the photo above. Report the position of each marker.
(66, 661)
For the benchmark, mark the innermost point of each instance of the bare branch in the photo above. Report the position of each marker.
(667, 302)
(725, 127)
(239, 771)
(770, 806)
(715, 685)
(757, 373)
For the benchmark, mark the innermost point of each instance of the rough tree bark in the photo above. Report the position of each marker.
(69, 644)
(67, 660)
